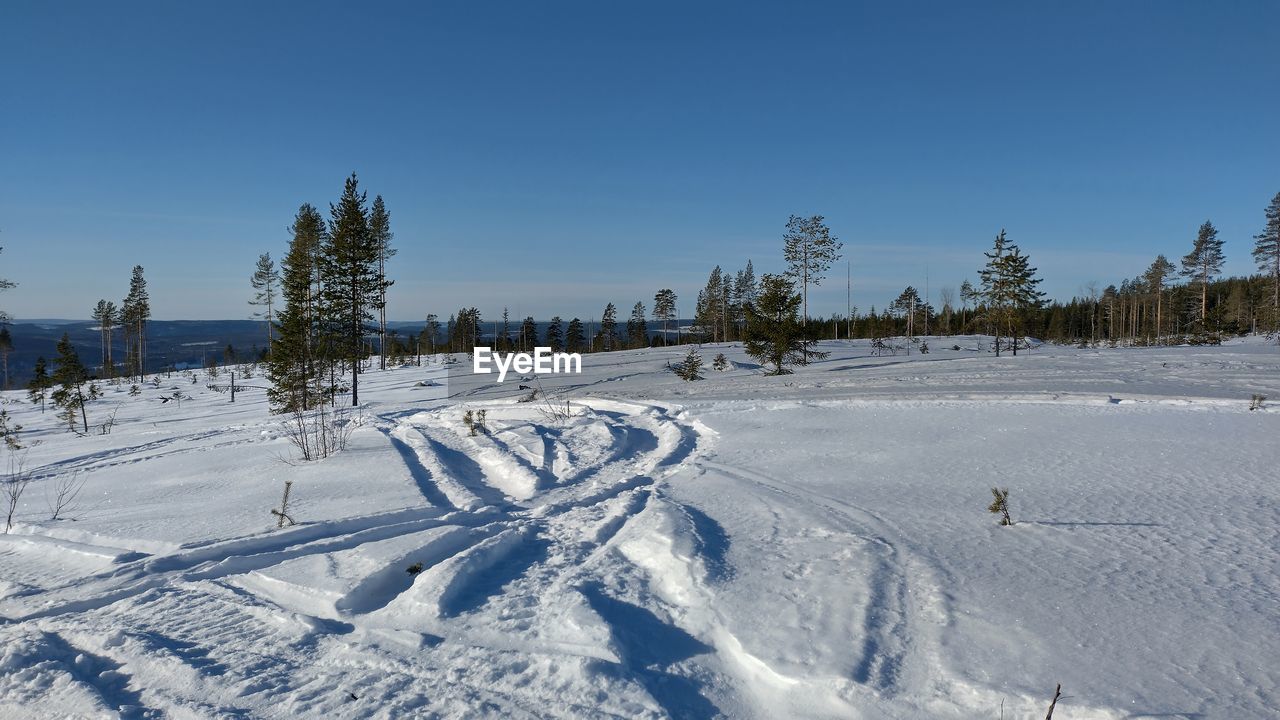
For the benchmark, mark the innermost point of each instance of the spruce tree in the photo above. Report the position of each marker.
(1202, 264)
(691, 368)
(503, 342)
(809, 251)
(575, 339)
(1266, 252)
(70, 375)
(380, 230)
(265, 282)
(637, 328)
(432, 331)
(554, 338)
(293, 364)
(664, 309)
(349, 278)
(775, 333)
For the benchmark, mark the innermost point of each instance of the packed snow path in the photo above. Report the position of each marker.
(811, 546)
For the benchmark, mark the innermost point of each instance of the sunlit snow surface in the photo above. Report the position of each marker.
(808, 546)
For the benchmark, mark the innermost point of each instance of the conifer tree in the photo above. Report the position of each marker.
(349, 278)
(637, 328)
(554, 338)
(775, 333)
(134, 314)
(1203, 263)
(265, 282)
(105, 314)
(5, 285)
(40, 383)
(691, 368)
(432, 332)
(1266, 252)
(664, 309)
(809, 251)
(1008, 286)
(967, 296)
(528, 334)
(575, 339)
(380, 230)
(6, 347)
(70, 376)
(293, 364)
(609, 327)
(503, 341)
(710, 308)
(1155, 278)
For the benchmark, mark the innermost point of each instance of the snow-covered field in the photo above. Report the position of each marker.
(810, 546)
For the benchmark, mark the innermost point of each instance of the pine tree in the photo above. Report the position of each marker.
(528, 334)
(105, 314)
(691, 368)
(637, 328)
(5, 285)
(775, 333)
(708, 313)
(40, 382)
(575, 339)
(1155, 278)
(503, 341)
(1266, 252)
(554, 338)
(134, 314)
(809, 251)
(1008, 287)
(6, 347)
(265, 282)
(380, 232)
(967, 296)
(609, 327)
(433, 332)
(349, 278)
(664, 309)
(293, 364)
(70, 376)
(1203, 263)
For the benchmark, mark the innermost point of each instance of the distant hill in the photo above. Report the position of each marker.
(180, 343)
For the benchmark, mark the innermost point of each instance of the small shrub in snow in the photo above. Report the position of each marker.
(924, 347)
(415, 568)
(1000, 505)
(61, 493)
(283, 513)
(134, 390)
(721, 363)
(530, 397)
(319, 433)
(955, 347)
(474, 422)
(1256, 402)
(691, 368)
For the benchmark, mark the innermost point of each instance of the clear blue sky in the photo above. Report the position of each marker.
(552, 157)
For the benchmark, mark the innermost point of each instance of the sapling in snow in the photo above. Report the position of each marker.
(721, 363)
(1000, 505)
(691, 368)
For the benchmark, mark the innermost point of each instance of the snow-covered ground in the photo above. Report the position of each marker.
(808, 546)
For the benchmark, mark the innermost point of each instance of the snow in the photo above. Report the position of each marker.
(807, 546)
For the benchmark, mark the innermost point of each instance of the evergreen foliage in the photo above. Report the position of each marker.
(294, 363)
(637, 328)
(775, 334)
(575, 338)
(1203, 263)
(265, 282)
(809, 250)
(1266, 253)
(691, 368)
(554, 337)
(664, 309)
(70, 375)
(350, 284)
